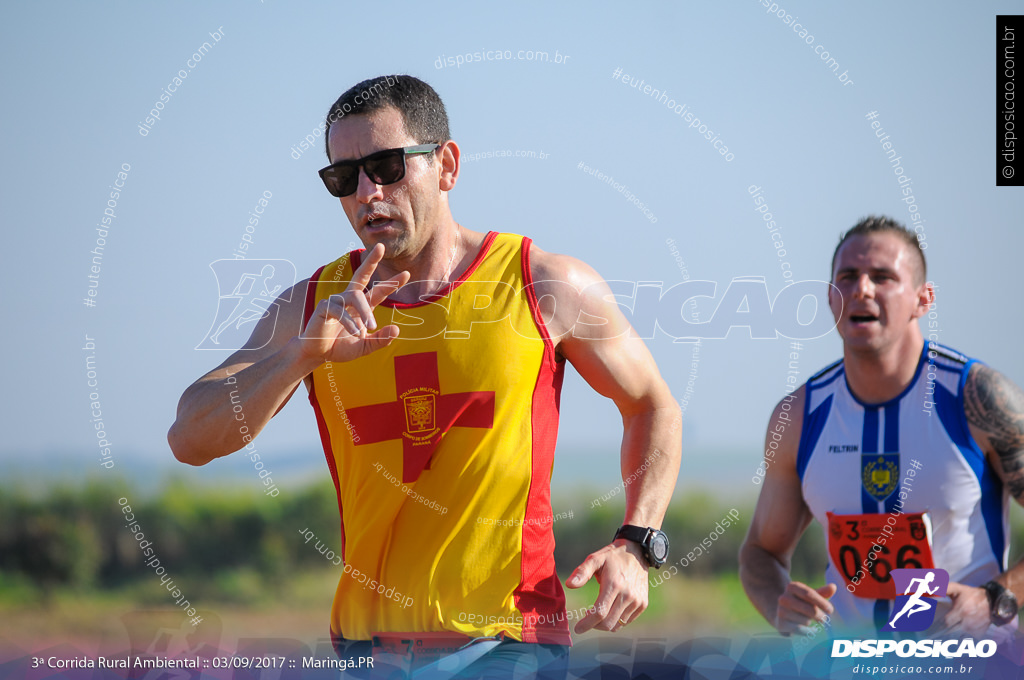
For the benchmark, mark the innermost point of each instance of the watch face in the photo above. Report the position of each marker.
(659, 547)
(1006, 607)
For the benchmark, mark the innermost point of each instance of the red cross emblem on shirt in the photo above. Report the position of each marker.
(421, 414)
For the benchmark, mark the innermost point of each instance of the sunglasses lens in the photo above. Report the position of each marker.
(387, 168)
(341, 180)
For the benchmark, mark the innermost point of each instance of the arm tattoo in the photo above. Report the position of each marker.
(995, 406)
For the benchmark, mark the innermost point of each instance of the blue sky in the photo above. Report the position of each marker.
(80, 80)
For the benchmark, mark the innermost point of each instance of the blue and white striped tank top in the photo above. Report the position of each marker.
(844, 443)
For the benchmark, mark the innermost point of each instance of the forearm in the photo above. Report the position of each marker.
(650, 457)
(764, 579)
(221, 412)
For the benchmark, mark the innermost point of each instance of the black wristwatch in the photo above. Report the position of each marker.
(1001, 603)
(653, 541)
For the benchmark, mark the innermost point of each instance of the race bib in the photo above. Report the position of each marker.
(852, 539)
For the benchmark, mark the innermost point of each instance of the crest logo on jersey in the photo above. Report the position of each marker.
(422, 413)
(880, 473)
(419, 414)
(916, 590)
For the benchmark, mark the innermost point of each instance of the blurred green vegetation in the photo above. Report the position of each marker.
(238, 546)
(235, 545)
(229, 545)
(70, 568)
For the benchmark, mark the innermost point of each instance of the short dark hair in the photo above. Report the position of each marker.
(422, 109)
(880, 224)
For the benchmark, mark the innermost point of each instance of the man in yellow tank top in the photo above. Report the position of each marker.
(434, 360)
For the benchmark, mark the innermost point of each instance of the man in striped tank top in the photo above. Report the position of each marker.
(434, 360)
(905, 451)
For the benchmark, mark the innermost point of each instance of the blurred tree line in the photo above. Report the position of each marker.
(229, 543)
(78, 537)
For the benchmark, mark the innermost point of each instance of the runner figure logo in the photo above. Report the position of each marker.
(247, 290)
(914, 608)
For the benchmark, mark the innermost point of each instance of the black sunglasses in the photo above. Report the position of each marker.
(382, 167)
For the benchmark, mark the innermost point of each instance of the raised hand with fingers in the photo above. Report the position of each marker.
(343, 328)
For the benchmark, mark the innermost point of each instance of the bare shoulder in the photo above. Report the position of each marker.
(994, 407)
(782, 440)
(551, 270)
(575, 302)
(793, 405)
(589, 330)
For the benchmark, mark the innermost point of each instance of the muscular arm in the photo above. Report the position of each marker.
(780, 519)
(995, 411)
(261, 377)
(994, 407)
(594, 336)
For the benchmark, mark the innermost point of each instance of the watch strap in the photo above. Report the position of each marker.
(633, 533)
(996, 592)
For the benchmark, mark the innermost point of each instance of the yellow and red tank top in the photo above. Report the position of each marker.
(441, 448)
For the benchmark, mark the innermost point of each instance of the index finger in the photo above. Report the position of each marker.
(382, 289)
(804, 592)
(595, 615)
(361, 276)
